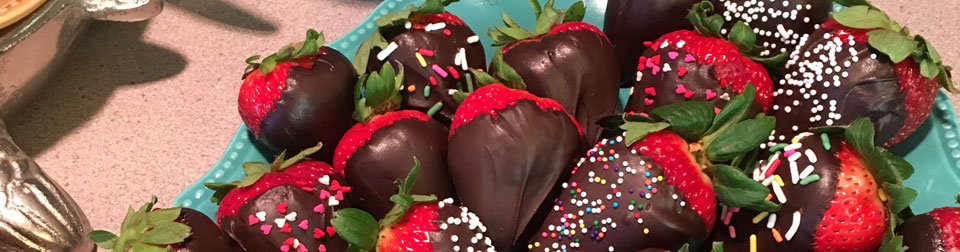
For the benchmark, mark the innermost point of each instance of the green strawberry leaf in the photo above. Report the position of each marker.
(143, 247)
(705, 25)
(549, 17)
(411, 179)
(902, 196)
(268, 64)
(423, 198)
(743, 37)
(747, 160)
(250, 179)
(483, 78)
(311, 45)
(883, 164)
(362, 57)
(733, 112)
(163, 215)
(690, 120)
(896, 45)
(303, 155)
(432, 6)
(503, 71)
(537, 8)
(741, 138)
(773, 62)
(401, 202)
(862, 17)
(891, 241)
(849, 3)
(166, 233)
(380, 93)
(929, 69)
(103, 239)
(575, 13)
(637, 130)
(219, 190)
(684, 248)
(735, 189)
(717, 247)
(356, 227)
(255, 167)
(946, 80)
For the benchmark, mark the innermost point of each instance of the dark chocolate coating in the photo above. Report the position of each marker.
(441, 239)
(251, 237)
(698, 78)
(577, 69)
(812, 200)
(316, 106)
(921, 234)
(445, 49)
(506, 168)
(776, 33)
(205, 235)
(629, 23)
(388, 156)
(667, 221)
(871, 89)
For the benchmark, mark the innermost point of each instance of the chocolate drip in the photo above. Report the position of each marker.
(921, 234)
(811, 200)
(316, 106)
(388, 156)
(618, 200)
(577, 69)
(867, 87)
(505, 167)
(629, 23)
(445, 49)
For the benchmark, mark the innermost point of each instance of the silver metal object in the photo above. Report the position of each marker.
(36, 214)
(31, 49)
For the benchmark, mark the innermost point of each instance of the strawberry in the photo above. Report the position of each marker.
(372, 153)
(284, 206)
(171, 229)
(291, 105)
(699, 66)
(780, 24)
(417, 223)
(627, 22)
(837, 194)
(618, 200)
(507, 151)
(860, 64)
(563, 59)
(435, 47)
(937, 230)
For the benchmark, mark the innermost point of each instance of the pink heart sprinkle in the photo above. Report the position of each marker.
(647, 101)
(673, 55)
(681, 89)
(253, 220)
(303, 225)
(656, 70)
(324, 194)
(285, 248)
(650, 91)
(318, 209)
(304, 248)
(339, 195)
(710, 94)
(716, 110)
(689, 58)
(266, 229)
(322, 248)
(681, 71)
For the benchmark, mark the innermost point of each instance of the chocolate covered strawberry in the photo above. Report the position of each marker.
(508, 149)
(171, 229)
(838, 192)
(780, 25)
(618, 200)
(860, 64)
(564, 59)
(298, 96)
(284, 206)
(937, 230)
(699, 66)
(435, 47)
(380, 149)
(417, 223)
(629, 22)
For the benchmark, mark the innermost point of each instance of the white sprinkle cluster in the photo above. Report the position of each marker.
(755, 12)
(476, 242)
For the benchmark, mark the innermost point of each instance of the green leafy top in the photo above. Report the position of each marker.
(547, 16)
(895, 41)
(256, 170)
(310, 46)
(391, 20)
(360, 229)
(728, 136)
(741, 35)
(378, 93)
(144, 230)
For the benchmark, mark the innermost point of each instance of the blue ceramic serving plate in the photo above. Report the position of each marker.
(934, 150)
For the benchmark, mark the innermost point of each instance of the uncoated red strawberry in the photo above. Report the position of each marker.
(507, 151)
(937, 230)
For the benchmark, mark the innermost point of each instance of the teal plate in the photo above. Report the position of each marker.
(934, 149)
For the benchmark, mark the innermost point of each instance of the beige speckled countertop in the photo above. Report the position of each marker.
(146, 108)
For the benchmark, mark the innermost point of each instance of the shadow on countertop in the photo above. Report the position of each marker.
(95, 67)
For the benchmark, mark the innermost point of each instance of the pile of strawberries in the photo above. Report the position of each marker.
(758, 126)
